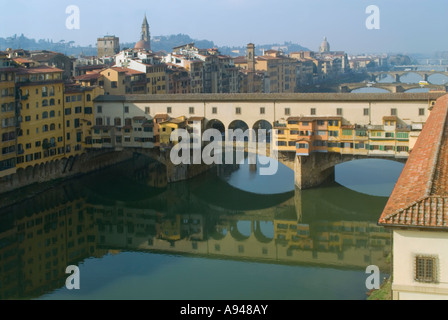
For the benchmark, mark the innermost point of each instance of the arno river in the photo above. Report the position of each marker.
(232, 235)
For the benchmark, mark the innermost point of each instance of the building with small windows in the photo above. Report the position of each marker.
(40, 135)
(117, 126)
(417, 214)
(167, 127)
(8, 114)
(108, 46)
(79, 117)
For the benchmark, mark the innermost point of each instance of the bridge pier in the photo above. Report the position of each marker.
(313, 170)
(397, 78)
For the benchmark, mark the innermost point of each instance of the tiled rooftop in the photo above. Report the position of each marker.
(420, 197)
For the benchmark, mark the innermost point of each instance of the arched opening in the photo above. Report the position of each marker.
(376, 177)
(239, 124)
(370, 90)
(411, 77)
(264, 231)
(438, 78)
(216, 124)
(262, 131)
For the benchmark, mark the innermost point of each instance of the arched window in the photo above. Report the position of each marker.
(117, 122)
(45, 115)
(52, 127)
(52, 114)
(89, 98)
(99, 121)
(44, 91)
(52, 102)
(45, 128)
(44, 103)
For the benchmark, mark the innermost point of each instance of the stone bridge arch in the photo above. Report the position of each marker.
(317, 168)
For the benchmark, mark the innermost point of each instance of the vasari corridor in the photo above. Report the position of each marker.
(223, 157)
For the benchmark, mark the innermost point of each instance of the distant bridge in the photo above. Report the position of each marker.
(375, 76)
(391, 87)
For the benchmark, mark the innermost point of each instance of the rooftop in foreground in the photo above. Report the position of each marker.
(420, 197)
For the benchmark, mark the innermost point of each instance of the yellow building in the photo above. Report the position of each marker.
(78, 117)
(121, 81)
(280, 70)
(40, 136)
(7, 118)
(167, 127)
(157, 79)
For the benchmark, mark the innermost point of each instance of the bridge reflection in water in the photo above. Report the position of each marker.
(331, 226)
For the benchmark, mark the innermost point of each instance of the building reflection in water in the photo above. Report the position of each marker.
(41, 236)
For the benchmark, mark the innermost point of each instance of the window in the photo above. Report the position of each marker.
(402, 135)
(114, 84)
(78, 109)
(313, 111)
(339, 111)
(393, 112)
(45, 115)
(425, 269)
(147, 110)
(262, 110)
(126, 109)
(191, 110)
(99, 109)
(67, 99)
(238, 110)
(287, 111)
(68, 111)
(99, 121)
(366, 111)
(214, 110)
(168, 109)
(347, 132)
(88, 110)
(421, 112)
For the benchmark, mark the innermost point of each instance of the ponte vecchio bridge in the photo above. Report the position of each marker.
(362, 114)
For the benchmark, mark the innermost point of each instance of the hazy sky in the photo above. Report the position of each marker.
(407, 26)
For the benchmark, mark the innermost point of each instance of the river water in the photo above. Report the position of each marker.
(232, 235)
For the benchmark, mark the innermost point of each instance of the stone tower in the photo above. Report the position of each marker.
(146, 36)
(145, 39)
(251, 57)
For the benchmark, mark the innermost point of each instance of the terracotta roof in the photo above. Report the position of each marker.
(420, 197)
(88, 76)
(314, 118)
(390, 118)
(161, 116)
(196, 118)
(126, 70)
(39, 69)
